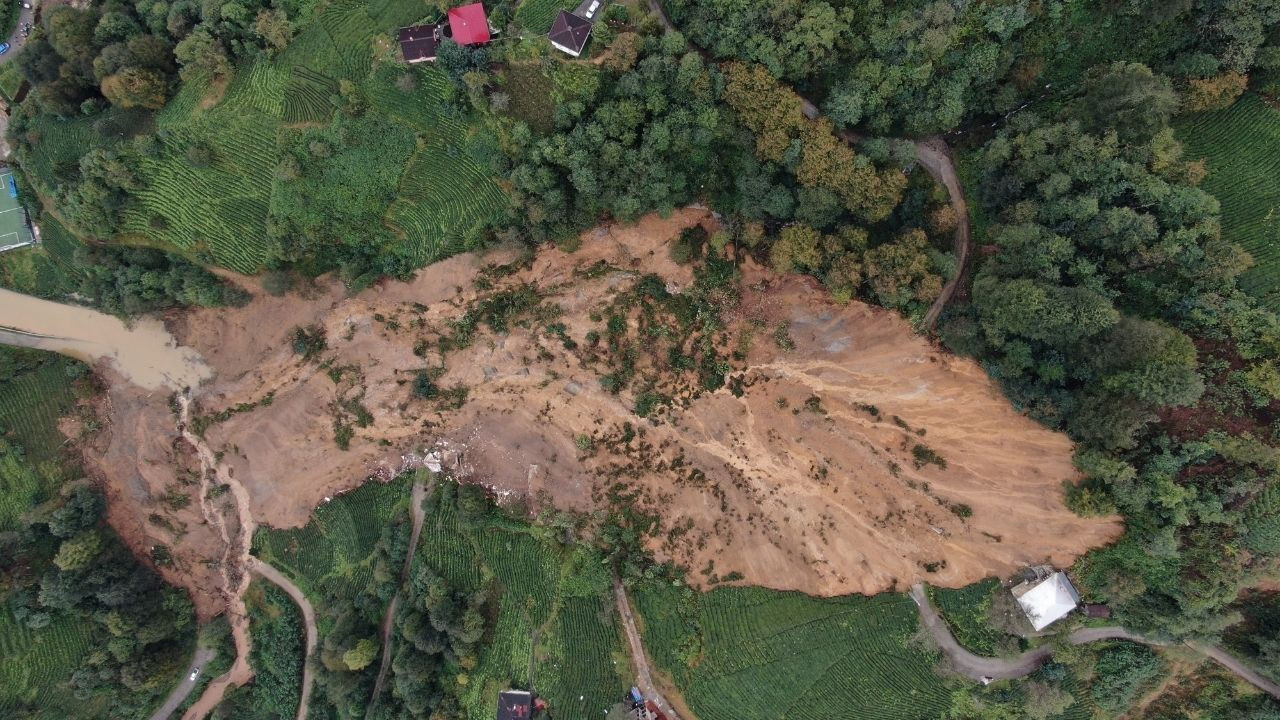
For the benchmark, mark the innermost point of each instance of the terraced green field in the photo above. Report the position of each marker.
(745, 653)
(332, 554)
(537, 15)
(1240, 145)
(209, 187)
(217, 212)
(555, 617)
(37, 663)
(444, 192)
(31, 404)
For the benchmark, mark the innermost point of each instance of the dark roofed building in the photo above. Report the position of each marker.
(419, 42)
(570, 33)
(515, 705)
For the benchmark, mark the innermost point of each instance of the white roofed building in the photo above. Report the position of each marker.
(1046, 600)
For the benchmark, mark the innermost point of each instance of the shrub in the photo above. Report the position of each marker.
(309, 341)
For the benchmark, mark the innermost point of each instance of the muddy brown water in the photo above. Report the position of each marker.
(142, 351)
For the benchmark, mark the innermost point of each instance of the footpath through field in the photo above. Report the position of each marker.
(416, 497)
(977, 667)
(933, 154)
(644, 677)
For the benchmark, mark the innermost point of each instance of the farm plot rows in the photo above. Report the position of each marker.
(1241, 146)
(443, 195)
(257, 87)
(217, 211)
(57, 272)
(580, 659)
(420, 101)
(37, 665)
(334, 550)
(56, 148)
(208, 190)
(31, 404)
(536, 16)
(793, 655)
(555, 618)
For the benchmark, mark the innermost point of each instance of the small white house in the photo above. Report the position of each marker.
(1047, 600)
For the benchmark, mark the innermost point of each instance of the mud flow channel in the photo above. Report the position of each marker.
(142, 351)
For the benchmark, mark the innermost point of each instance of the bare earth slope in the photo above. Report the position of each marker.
(797, 484)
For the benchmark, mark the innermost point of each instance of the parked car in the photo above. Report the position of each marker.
(4, 48)
(194, 674)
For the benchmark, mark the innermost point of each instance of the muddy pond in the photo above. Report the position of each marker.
(142, 351)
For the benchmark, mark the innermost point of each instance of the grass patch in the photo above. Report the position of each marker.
(531, 92)
(536, 16)
(967, 611)
(10, 80)
(47, 270)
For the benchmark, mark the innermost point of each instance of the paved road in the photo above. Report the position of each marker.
(17, 39)
(977, 667)
(416, 497)
(201, 658)
(644, 677)
(269, 573)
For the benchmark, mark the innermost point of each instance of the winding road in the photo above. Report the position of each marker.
(271, 574)
(979, 668)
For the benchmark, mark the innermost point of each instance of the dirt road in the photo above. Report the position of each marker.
(418, 494)
(271, 574)
(977, 667)
(935, 157)
(644, 677)
(201, 658)
(1235, 665)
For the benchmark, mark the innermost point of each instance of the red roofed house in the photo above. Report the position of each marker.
(469, 24)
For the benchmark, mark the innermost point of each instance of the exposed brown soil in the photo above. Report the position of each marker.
(815, 495)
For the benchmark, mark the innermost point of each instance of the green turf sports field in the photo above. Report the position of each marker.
(13, 219)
